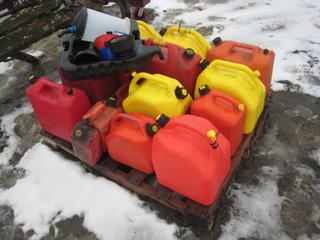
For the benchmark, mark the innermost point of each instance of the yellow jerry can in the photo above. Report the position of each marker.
(238, 81)
(146, 31)
(153, 94)
(187, 38)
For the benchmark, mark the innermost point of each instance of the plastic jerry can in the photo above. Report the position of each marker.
(187, 38)
(223, 111)
(86, 143)
(121, 93)
(58, 108)
(153, 94)
(191, 157)
(253, 56)
(147, 31)
(177, 62)
(96, 89)
(238, 81)
(100, 115)
(129, 140)
(100, 44)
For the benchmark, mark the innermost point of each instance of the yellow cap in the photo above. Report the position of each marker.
(184, 92)
(78, 133)
(155, 128)
(212, 135)
(241, 107)
(133, 74)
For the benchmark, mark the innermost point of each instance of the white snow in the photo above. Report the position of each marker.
(13, 140)
(256, 210)
(315, 155)
(5, 67)
(35, 53)
(284, 26)
(55, 188)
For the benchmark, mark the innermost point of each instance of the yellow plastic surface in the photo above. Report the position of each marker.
(153, 94)
(146, 31)
(239, 81)
(187, 38)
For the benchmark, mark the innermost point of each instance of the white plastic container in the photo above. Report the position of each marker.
(91, 24)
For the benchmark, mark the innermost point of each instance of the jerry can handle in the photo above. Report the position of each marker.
(49, 83)
(238, 107)
(117, 118)
(197, 35)
(240, 67)
(143, 75)
(253, 48)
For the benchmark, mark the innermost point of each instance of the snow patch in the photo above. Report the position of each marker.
(55, 189)
(256, 210)
(289, 27)
(13, 140)
(315, 155)
(5, 67)
(35, 53)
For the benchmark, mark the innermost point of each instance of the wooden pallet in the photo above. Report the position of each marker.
(147, 185)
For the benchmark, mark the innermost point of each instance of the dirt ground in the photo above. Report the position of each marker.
(291, 134)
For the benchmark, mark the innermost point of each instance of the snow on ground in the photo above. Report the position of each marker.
(13, 140)
(59, 188)
(5, 66)
(284, 26)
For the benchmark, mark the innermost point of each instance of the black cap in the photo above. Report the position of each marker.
(163, 31)
(265, 51)
(217, 41)
(204, 89)
(110, 101)
(181, 92)
(152, 129)
(188, 53)
(69, 91)
(162, 120)
(204, 64)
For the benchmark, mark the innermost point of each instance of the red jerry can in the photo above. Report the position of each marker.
(96, 89)
(179, 63)
(223, 111)
(58, 108)
(129, 140)
(191, 157)
(100, 115)
(121, 93)
(87, 143)
(253, 56)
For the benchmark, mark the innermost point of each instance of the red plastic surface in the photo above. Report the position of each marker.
(56, 107)
(128, 141)
(87, 145)
(100, 41)
(250, 55)
(99, 116)
(175, 65)
(185, 161)
(223, 112)
(96, 89)
(121, 93)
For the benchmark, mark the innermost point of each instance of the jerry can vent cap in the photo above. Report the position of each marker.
(204, 64)
(180, 92)
(204, 89)
(163, 31)
(162, 120)
(216, 41)
(188, 53)
(152, 129)
(110, 101)
(265, 51)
